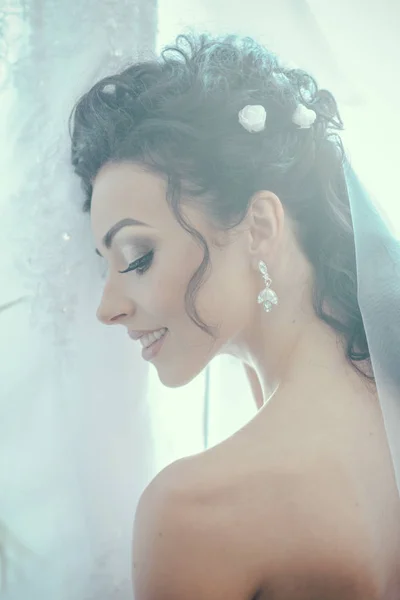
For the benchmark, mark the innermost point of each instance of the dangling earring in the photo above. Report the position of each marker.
(267, 297)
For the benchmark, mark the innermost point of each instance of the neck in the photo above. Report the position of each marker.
(291, 344)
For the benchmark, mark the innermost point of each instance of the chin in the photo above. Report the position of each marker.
(185, 367)
(177, 377)
(173, 379)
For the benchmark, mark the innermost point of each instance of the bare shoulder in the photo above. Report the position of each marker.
(226, 524)
(180, 547)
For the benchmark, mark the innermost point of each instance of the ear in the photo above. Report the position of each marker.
(265, 222)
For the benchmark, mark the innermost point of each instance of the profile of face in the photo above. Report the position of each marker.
(151, 259)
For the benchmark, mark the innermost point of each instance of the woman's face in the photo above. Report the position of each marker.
(151, 260)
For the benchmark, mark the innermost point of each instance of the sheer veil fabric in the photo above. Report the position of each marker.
(75, 438)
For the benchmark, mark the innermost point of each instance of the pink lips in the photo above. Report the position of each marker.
(149, 352)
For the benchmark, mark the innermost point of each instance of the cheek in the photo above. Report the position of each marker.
(170, 280)
(225, 299)
(222, 300)
(168, 294)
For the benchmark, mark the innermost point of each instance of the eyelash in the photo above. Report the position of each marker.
(141, 265)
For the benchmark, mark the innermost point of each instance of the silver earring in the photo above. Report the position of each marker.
(267, 297)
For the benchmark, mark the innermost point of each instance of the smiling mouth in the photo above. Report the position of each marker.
(152, 343)
(148, 339)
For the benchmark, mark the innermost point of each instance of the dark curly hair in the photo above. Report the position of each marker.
(177, 115)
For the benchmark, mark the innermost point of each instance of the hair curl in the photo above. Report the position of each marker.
(177, 115)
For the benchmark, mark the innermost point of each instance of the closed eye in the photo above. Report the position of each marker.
(141, 265)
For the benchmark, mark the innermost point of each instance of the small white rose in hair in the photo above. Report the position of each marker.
(304, 117)
(109, 88)
(253, 117)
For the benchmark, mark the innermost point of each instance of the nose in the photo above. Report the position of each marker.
(114, 307)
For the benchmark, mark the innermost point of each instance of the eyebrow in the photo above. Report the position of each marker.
(110, 235)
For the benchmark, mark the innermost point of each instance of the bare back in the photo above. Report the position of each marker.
(310, 501)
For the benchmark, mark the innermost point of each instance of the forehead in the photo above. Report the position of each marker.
(127, 190)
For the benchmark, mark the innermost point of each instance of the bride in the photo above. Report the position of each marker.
(218, 193)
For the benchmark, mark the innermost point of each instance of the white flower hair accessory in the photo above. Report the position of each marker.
(253, 118)
(304, 117)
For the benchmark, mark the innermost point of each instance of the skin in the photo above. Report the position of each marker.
(156, 299)
(314, 458)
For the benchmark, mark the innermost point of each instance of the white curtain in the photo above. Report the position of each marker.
(75, 440)
(83, 424)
